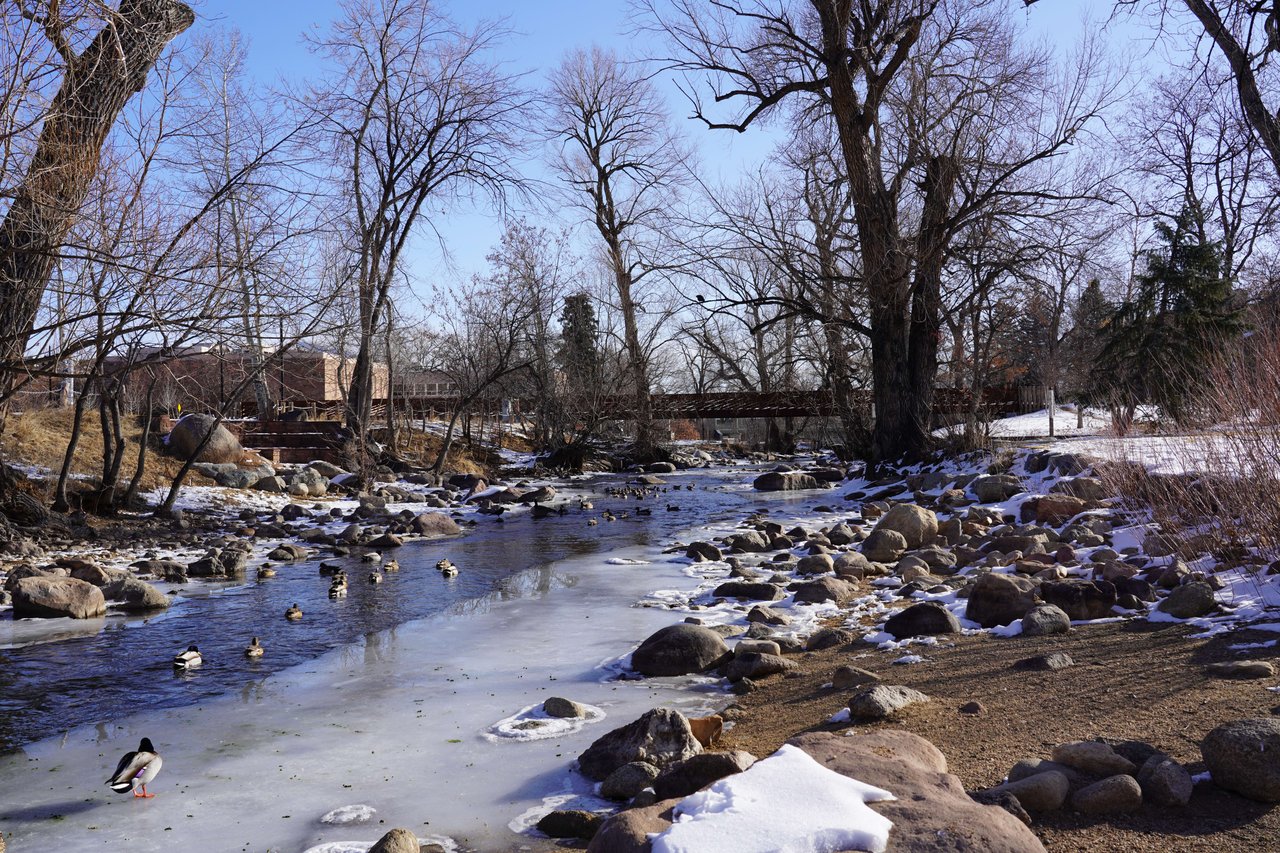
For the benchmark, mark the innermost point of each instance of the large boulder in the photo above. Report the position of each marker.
(435, 524)
(1053, 509)
(825, 589)
(755, 665)
(999, 599)
(1244, 756)
(685, 777)
(660, 737)
(629, 831)
(884, 546)
(190, 430)
(56, 597)
(135, 596)
(785, 481)
(1045, 619)
(883, 700)
(750, 590)
(922, 620)
(1081, 599)
(245, 474)
(679, 650)
(931, 811)
(994, 488)
(397, 841)
(1189, 601)
(918, 526)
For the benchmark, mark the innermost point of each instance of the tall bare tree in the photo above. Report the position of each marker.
(418, 114)
(624, 167)
(929, 101)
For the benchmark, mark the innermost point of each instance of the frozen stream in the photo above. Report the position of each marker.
(383, 704)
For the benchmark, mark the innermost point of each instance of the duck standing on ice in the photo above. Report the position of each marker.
(136, 770)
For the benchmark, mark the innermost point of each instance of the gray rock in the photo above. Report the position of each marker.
(926, 619)
(135, 596)
(55, 598)
(704, 551)
(883, 700)
(755, 666)
(1030, 767)
(679, 650)
(751, 541)
(825, 589)
(767, 616)
(1189, 601)
(815, 564)
(628, 780)
(1042, 792)
(785, 481)
(1113, 795)
(827, 638)
(884, 546)
(753, 645)
(750, 590)
(287, 552)
(434, 524)
(685, 777)
(396, 841)
(1046, 663)
(999, 599)
(660, 737)
(1081, 599)
(1093, 757)
(570, 823)
(1244, 756)
(190, 430)
(847, 677)
(556, 706)
(1242, 669)
(1045, 619)
(994, 488)
(1165, 782)
(853, 564)
(918, 526)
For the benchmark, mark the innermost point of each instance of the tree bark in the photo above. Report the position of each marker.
(95, 87)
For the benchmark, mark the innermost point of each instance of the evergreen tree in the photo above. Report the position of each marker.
(1160, 345)
(1090, 318)
(579, 341)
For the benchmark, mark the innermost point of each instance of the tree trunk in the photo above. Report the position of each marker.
(646, 434)
(95, 87)
(131, 494)
(60, 502)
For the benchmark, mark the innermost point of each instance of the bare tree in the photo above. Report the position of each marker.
(417, 114)
(929, 101)
(625, 168)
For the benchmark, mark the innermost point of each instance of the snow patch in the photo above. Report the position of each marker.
(532, 723)
(786, 802)
(344, 815)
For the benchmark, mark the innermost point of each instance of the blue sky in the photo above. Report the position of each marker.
(543, 31)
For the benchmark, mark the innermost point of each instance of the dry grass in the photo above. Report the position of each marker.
(39, 437)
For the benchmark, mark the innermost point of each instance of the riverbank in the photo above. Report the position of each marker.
(434, 723)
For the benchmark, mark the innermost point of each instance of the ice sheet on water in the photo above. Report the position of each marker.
(623, 561)
(533, 723)
(787, 802)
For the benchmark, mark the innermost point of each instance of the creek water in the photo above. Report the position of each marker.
(387, 699)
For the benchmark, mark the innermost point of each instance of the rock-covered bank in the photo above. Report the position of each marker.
(1089, 689)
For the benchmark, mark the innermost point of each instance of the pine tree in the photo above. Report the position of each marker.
(1090, 318)
(1160, 345)
(579, 341)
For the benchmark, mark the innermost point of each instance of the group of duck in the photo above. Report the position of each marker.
(192, 658)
